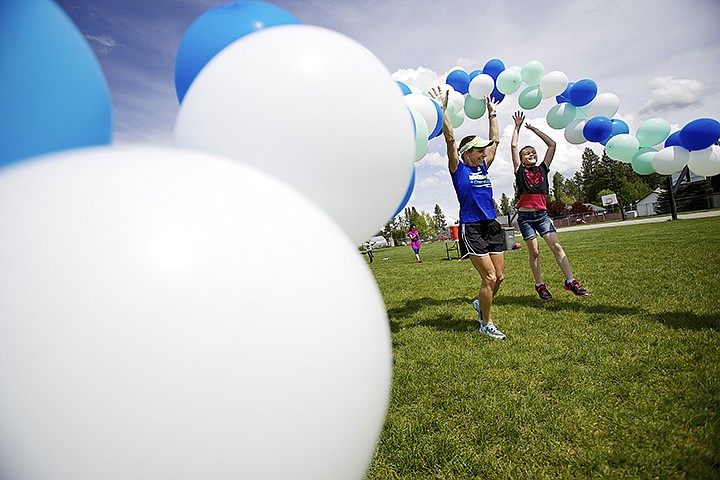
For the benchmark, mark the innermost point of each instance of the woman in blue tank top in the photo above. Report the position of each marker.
(481, 236)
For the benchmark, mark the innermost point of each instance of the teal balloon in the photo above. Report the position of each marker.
(421, 135)
(653, 132)
(622, 147)
(560, 115)
(530, 97)
(533, 72)
(642, 161)
(508, 81)
(53, 94)
(474, 108)
(456, 117)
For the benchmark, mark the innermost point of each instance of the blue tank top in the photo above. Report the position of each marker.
(474, 192)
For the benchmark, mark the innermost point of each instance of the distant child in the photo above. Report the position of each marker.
(369, 249)
(415, 242)
(531, 180)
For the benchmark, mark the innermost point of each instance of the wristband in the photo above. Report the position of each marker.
(492, 115)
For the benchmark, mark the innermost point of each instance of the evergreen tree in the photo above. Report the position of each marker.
(561, 189)
(690, 196)
(604, 173)
(439, 218)
(505, 207)
(419, 220)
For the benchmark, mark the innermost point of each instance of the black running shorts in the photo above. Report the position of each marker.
(481, 238)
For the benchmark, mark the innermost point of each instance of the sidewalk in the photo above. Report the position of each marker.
(635, 221)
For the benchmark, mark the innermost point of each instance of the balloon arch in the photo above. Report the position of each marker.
(583, 114)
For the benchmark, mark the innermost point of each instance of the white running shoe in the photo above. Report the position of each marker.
(491, 331)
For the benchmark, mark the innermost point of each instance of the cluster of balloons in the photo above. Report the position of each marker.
(583, 113)
(154, 321)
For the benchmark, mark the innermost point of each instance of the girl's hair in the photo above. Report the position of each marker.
(526, 146)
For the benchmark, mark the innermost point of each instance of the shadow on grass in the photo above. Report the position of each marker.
(444, 323)
(573, 304)
(687, 320)
(454, 324)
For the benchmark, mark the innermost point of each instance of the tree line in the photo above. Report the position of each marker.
(428, 225)
(598, 176)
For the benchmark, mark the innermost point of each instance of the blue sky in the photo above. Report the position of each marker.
(660, 57)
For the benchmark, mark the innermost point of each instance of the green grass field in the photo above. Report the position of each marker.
(622, 384)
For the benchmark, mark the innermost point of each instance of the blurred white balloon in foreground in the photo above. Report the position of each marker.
(154, 325)
(336, 127)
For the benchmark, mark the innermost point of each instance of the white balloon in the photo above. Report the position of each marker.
(706, 162)
(480, 86)
(458, 100)
(670, 160)
(425, 106)
(574, 132)
(553, 84)
(604, 105)
(340, 120)
(158, 322)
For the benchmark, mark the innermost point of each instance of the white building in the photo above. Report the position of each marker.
(646, 206)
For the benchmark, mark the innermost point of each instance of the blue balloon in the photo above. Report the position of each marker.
(216, 29)
(475, 73)
(582, 92)
(597, 129)
(494, 68)
(53, 94)
(673, 140)
(700, 134)
(439, 122)
(618, 127)
(496, 95)
(405, 89)
(459, 80)
(563, 97)
(408, 194)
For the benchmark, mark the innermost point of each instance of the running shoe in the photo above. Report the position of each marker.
(491, 331)
(575, 288)
(543, 292)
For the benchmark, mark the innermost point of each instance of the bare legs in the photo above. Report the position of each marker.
(492, 271)
(560, 257)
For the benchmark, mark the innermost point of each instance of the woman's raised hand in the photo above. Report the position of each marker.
(436, 93)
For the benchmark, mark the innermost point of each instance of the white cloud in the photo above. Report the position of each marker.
(420, 77)
(433, 159)
(102, 44)
(669, 93)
